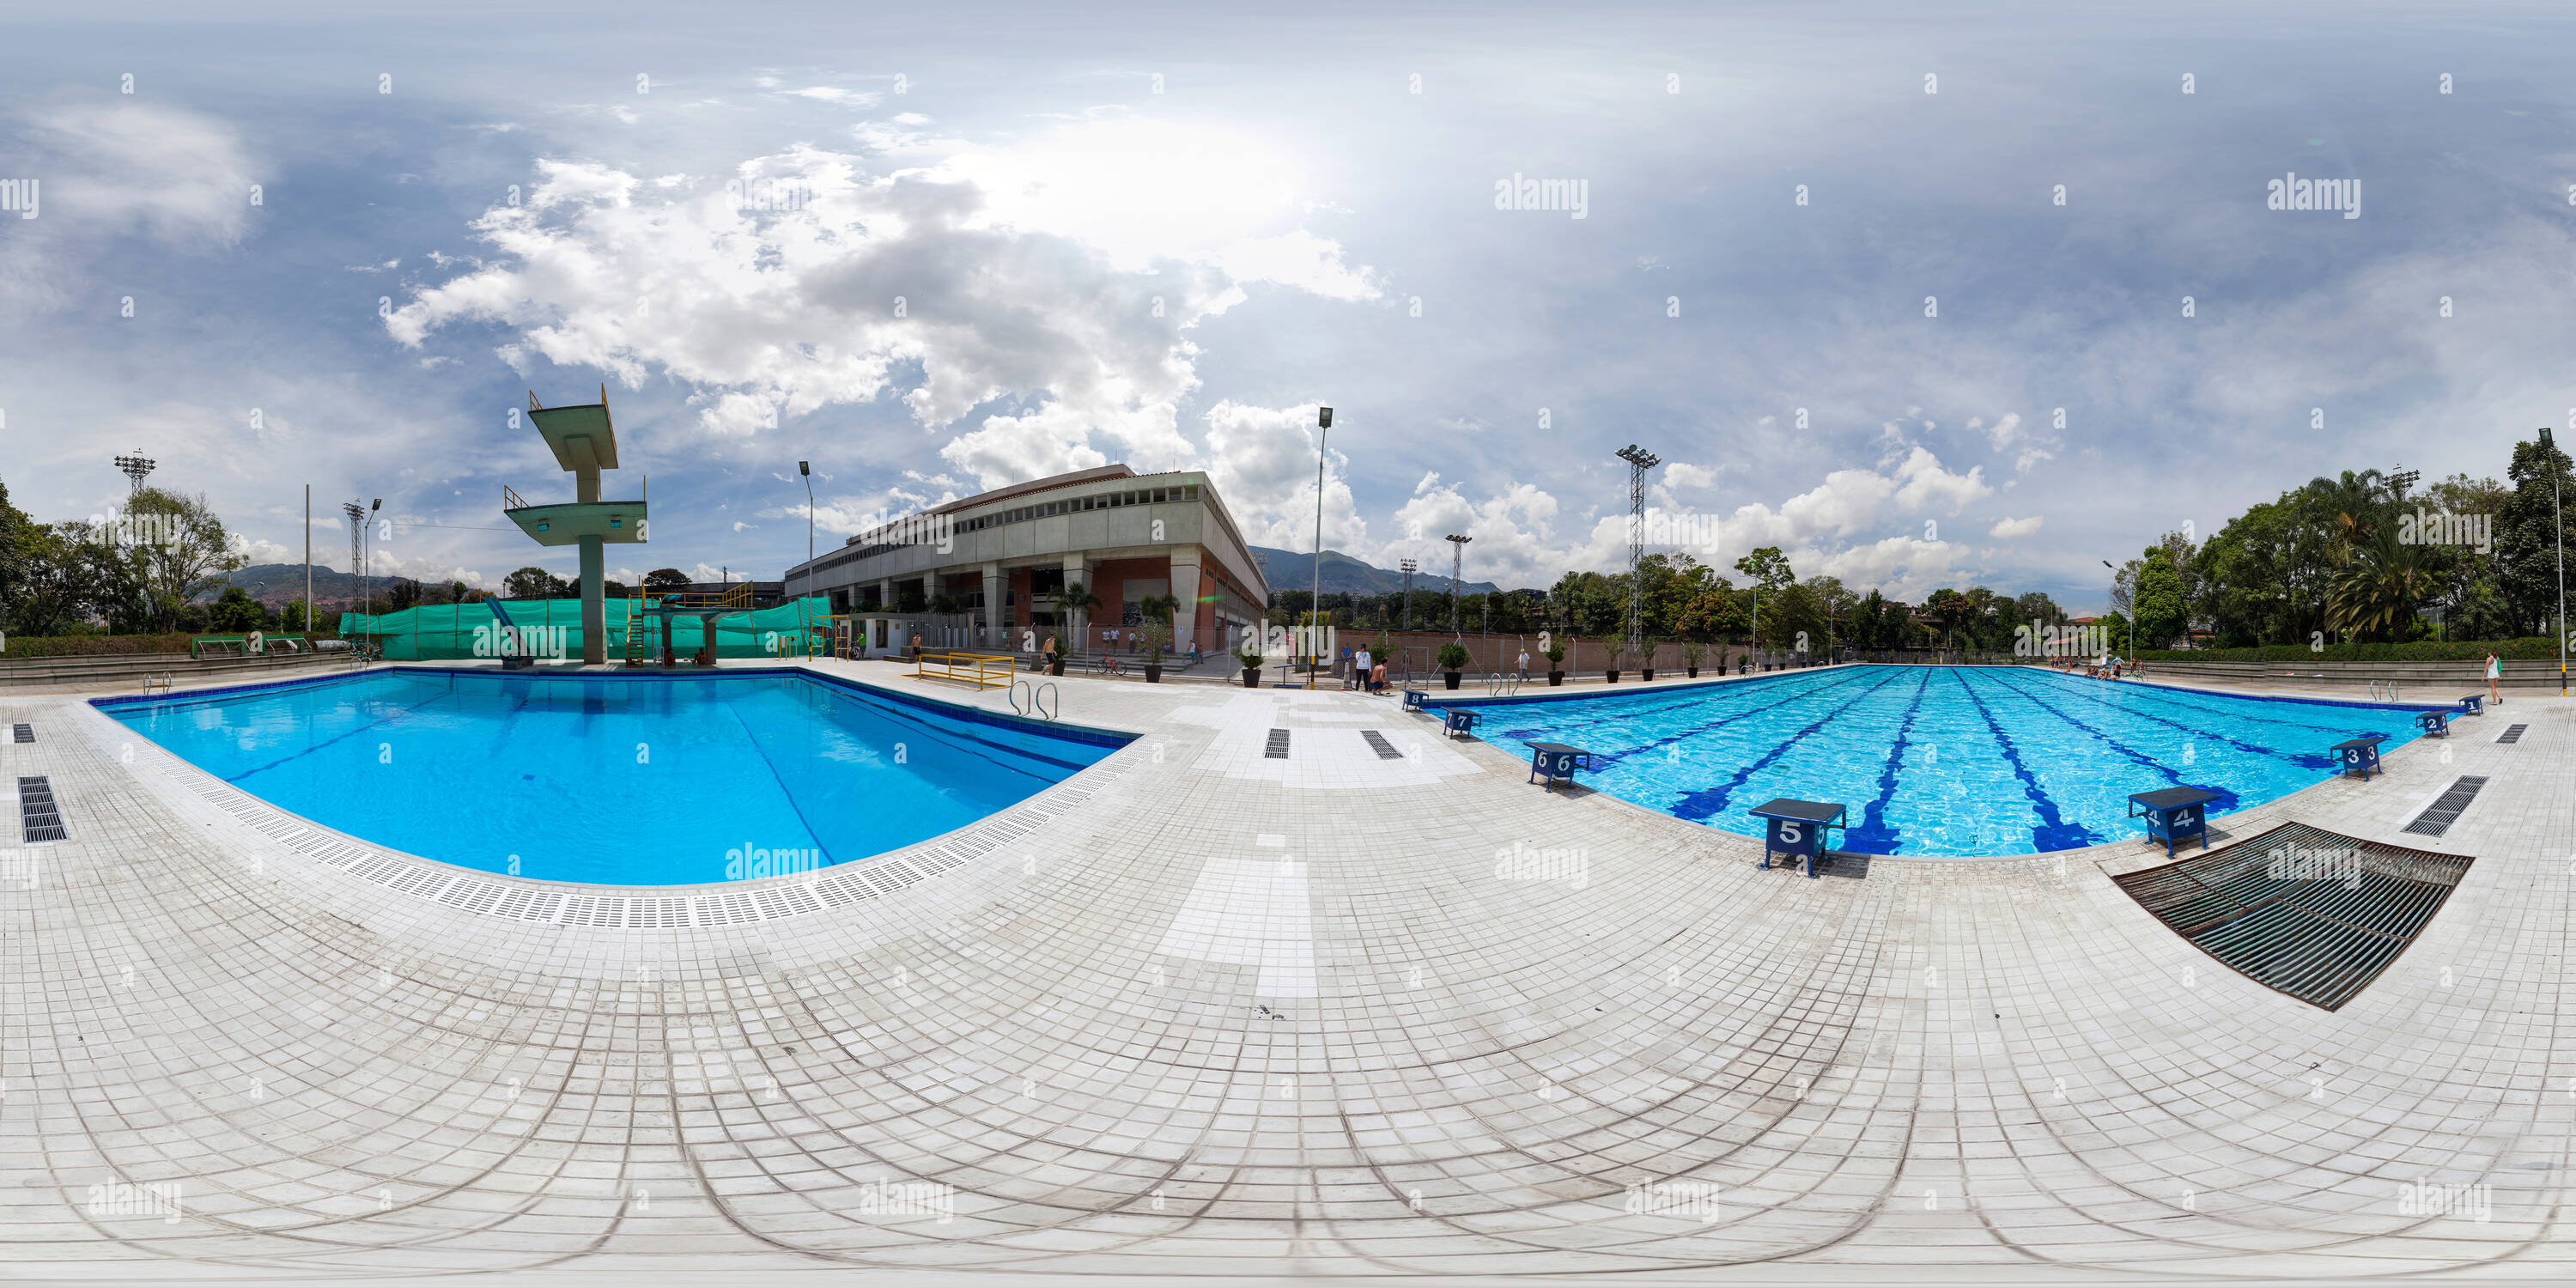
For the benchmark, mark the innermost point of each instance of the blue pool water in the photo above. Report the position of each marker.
(1944, 761)
(622, 780)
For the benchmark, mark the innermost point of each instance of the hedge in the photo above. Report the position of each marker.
(2536, 648)
(30, 646)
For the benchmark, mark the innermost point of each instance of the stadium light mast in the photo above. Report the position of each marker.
(1315, 590)
(2561, 524)
(1457, 562)
(1409, 565)
(135, 466)
(806, 469)
(1639, 462)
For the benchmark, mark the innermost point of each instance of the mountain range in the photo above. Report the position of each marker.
(1344, 575)
(275, 584)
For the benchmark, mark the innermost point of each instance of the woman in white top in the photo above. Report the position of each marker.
(2495, 673)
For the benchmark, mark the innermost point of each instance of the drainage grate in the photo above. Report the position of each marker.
(1377, 742)
(2438, 818)
(1277, 748)
(38, 819)
(2512, 733)
(2308, 912)
(23, 733)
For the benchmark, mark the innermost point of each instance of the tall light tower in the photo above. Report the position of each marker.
(1409, 565)
(1638, 463)
(806, 469)
(2559, 523)
(1315, 591)
(136, 466)
(1457, 561)
(357, 533)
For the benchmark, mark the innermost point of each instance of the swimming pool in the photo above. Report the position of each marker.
(623, 780)
(1942, 761)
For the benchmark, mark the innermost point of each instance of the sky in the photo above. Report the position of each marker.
(1926, 296)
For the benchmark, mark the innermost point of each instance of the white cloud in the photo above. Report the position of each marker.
(131, 168)
(2010, 528)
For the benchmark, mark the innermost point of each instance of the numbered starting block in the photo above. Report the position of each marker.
(2435, 724)
(1797, 831)
(2474, 704)
(1551, 761)
(2359, 756)
(1460, 723)
(1415, 699)
(2174, 815)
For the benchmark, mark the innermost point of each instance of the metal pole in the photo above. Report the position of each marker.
(308, 559)
(2555, 518)
(1315, 588)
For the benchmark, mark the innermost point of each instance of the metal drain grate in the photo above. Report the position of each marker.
(1277, 747)
(2438, 817)
(38, 819)
(23, 733)
(2512, 733)
(2308, 912)
(1377, 742)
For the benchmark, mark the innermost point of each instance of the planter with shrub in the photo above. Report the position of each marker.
(1453, 659)
(1251, 660)
(1691, 654)
(1555, 652)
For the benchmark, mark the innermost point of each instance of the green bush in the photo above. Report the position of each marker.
(27, 646)
(1453, 656)
(2536, 648)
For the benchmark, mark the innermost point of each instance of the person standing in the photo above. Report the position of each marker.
(2495, 675)
(1524, 663)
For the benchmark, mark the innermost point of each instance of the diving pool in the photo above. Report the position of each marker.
(621, 780)
(1942, 761)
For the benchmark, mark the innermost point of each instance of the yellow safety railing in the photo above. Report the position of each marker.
(981, 670)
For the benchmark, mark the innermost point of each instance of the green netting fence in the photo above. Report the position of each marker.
(448, 632)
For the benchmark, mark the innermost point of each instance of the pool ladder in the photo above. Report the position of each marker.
(1038, 704)
(2384, 691)
(1505, 683)
(164, 681)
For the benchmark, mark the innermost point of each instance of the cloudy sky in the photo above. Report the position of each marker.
(1901, 291)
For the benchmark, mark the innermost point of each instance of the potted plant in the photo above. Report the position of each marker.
(1156, 636)
(1251, 659)
(1692, 652)
(1646, 667)
(1453, 659)
(1555, 651)
(1618, 658)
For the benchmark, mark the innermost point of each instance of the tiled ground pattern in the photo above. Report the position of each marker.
(1237, 1016)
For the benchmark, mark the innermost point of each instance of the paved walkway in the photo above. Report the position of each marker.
(1206, 1012)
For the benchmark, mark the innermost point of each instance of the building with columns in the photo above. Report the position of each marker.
(1003, 557)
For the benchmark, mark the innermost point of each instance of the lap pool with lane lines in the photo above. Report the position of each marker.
(1942, 761)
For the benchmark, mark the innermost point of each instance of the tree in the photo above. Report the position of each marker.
(183, 548)
(665, 581)
(2160, 610)
(2527, 534)
(533, 582)
(236, 612)
(1077, 602)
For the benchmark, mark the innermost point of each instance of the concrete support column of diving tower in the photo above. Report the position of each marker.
(594, 583)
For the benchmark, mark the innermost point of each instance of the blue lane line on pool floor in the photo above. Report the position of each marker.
(1700, 805)
(2053, 832)
(1876, 835)
(1608, 759)
(2227, 799)
(2304, 760)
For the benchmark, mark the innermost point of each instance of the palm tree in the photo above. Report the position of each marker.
(1159, 611)
(1077, 599)
(2379, 591)
(2352, 506)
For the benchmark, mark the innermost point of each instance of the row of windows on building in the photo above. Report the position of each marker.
(1022, 514)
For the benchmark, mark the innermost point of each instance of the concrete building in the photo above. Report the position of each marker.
(1003, 557)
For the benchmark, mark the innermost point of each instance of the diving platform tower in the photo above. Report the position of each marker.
(584, 443)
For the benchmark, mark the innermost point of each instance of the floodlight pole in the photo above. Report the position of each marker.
(806, 468)
(1315, 589)
(1638, 463)
(1457, 562)
(2561, 524)
(1409, 566)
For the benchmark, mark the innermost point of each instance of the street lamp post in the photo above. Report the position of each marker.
(367, 579)
(806, 469)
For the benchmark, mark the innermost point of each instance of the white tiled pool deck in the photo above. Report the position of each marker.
(1209, 1013)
